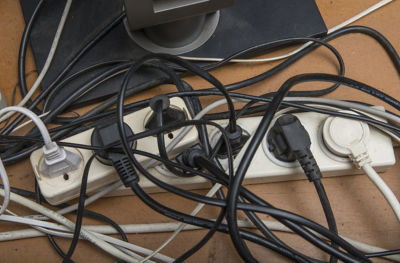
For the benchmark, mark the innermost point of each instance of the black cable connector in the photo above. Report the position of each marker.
(288, 140)
(108, 134)
(237, 140)
(188, 157)
(169, 114)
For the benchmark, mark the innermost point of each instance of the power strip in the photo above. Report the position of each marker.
(265, 168)
(63, 188)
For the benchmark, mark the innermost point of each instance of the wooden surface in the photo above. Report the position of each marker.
(360, 210)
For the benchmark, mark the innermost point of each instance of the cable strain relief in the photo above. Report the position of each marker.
(188, 156)
(309, 165)
(163, 99)
(126, 172)
(359, 155)
(53, 153)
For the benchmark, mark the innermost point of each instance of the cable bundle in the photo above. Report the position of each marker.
(203, 161)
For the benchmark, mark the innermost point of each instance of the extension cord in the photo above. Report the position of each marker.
(265, 169)
(60, 189)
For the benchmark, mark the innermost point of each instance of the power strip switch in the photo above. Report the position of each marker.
(60, 189)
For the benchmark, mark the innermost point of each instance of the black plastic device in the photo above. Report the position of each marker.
(245, 24)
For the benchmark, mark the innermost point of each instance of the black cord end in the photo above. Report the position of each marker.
(163, 99)
(237, 140)
(289, 141)
(169, 113)
(126, 172)
(108, 134)
(187, 157)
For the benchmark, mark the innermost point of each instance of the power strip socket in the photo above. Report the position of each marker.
(60, 189)
(265, 168)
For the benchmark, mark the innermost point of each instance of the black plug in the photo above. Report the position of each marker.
(105, 135)
(188, 156)
(237, 140)
(288, 140)
(170, 114)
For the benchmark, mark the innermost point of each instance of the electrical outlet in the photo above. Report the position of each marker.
(266, 168)
(63, 188)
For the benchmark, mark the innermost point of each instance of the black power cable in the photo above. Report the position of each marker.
(344, 31)
(194, 197)
(79, 214)
(290, 141)
(63, 132)
(50, 238)
(86, 47)
(167, 127)
(233, 191)
(384, 253)
(62, 84)
(23, 48)
(355, 29)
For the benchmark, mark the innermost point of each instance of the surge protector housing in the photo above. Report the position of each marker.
(60, 189)
(264, 168)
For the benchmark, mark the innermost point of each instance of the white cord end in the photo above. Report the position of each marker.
(347, 138)
(359, 155)
(58, 161)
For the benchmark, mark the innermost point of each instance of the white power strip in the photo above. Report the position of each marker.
(60, 189)
(265, 168)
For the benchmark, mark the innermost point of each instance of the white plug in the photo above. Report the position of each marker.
(58, 161)
(347, 137)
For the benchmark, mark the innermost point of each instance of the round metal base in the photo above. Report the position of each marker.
(182, 44)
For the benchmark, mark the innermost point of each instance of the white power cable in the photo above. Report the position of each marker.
(48, 60)
(22, 125)
(216, 187)
(333, 29)
(47, 140)
(199, 116)
(183, 133)
(62, 231)
(169, 227)
(348, 138)
(51, 55)
(7, 188)
(360, 15)
(383, 188)
(56, 159)
(33, 117)
(352, 105)
(61, 219)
